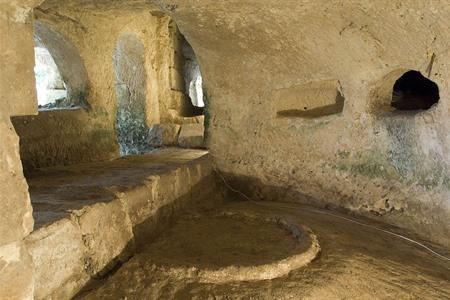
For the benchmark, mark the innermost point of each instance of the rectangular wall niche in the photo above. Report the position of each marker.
(310, 100)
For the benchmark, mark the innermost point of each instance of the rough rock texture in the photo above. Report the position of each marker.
(16, 220)
(192, 136)
(106, 231)
(393, 166)
(58, 254)
(16, 276)
(231, 247)
(164, 135)
(91, 216)
(390, 166)
(310, 100)
(356, 262)
(17, 57)
(56, 137)
(92, 39)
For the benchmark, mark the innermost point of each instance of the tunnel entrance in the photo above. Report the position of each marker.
(413, 91)
(131, 125)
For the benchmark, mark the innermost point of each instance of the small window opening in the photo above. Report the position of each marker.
(413, 91)
(51, 89)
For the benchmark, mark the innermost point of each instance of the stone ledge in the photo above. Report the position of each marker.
(90, 241)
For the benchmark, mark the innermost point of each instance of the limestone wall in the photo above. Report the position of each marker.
(16, 85)
(59, 137)
(66, 136)
(63, 136)
(389, 166)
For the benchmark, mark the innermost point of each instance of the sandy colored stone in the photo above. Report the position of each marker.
(17, 58)
(139, 201)
(192, 136)
(16, 220)
(313, 99)
(16, 276)
(353, 160)
(164, 134)
(92, 54)
(355, 262)
(367, 159)
(58, 255)
(107, 235)
(232, 247)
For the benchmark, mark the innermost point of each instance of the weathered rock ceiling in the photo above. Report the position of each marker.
(289, 42)
(96, 4)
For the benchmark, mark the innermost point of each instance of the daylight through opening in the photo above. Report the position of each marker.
(192, 76)
(50, 86)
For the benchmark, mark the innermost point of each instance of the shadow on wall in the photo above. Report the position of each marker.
(131, 126)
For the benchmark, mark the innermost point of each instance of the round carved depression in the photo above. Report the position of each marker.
(233, 247)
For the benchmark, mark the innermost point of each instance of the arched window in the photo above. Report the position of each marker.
(61, 77)
(51, 89)
(413, 91)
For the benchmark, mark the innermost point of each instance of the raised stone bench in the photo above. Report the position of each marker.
(89, 217)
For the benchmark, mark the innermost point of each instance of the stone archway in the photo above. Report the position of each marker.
(68, 61)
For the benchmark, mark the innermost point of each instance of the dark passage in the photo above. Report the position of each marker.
(413, 91)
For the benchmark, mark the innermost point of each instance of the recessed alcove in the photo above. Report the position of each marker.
(413, 91)
(403, 92)
(310, 100)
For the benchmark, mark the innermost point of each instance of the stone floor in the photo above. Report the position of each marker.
(356, 262)
(56, 191)
(87, 216)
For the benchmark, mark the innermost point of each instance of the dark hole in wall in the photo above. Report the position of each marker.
(413, 91)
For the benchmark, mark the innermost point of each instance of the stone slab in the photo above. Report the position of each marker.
(107, 233)
(164, 134)
(58, 254)
(192, 136)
